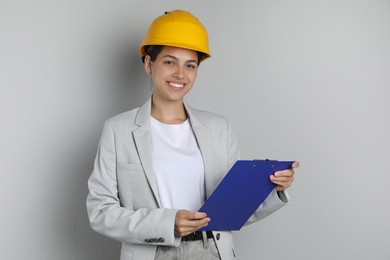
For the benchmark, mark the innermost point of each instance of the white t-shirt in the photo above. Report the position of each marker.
(178, 166)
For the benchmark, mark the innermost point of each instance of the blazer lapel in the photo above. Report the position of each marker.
(143, 140)
(203, 136)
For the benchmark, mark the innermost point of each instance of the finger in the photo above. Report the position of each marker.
(282, 183)
(191, 223)
(284, 173)
(199, 215)
(281, 179)
(284, 178)
(195, 222)
(295, 165)
(185, 214)
(198, 223)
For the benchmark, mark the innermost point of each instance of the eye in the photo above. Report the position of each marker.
(191, 66)
(168, 62)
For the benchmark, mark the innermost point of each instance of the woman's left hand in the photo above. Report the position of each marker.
(284, 179)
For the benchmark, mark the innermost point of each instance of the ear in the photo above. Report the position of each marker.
(148, 65)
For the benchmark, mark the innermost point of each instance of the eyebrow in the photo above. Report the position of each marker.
(175, 58)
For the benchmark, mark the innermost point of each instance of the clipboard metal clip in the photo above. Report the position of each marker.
(266, 160)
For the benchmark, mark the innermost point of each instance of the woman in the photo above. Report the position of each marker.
(157, 164)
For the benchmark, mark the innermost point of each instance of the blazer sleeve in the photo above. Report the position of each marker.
(272, 203)
(108, 217)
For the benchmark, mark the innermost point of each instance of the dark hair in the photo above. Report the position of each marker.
(154, 50)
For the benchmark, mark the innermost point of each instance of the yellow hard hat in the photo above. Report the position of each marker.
(177, 28)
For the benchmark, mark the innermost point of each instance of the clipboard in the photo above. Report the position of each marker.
(240, 193)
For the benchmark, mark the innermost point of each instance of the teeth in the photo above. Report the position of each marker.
(176, 85)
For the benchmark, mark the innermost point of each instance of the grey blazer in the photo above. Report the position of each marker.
(123, 201)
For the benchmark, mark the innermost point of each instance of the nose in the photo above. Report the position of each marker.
(178, 73)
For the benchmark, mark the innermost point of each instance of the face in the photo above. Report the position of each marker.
(173, 73)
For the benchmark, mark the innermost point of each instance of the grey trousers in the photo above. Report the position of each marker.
(189, 250)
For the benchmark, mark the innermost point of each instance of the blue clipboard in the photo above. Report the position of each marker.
(240, 193)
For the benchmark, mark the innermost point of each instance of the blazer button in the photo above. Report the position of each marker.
(218, 236)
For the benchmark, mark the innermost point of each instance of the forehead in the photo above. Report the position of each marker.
(179, 53)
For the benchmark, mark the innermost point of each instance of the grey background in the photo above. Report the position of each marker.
(304, 80)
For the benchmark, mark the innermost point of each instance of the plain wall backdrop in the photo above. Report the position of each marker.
(309, 80)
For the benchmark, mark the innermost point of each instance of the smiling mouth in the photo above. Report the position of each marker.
(176, 85)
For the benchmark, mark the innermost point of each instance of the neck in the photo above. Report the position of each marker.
(168, 112)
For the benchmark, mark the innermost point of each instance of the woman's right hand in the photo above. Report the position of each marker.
(187, 222)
